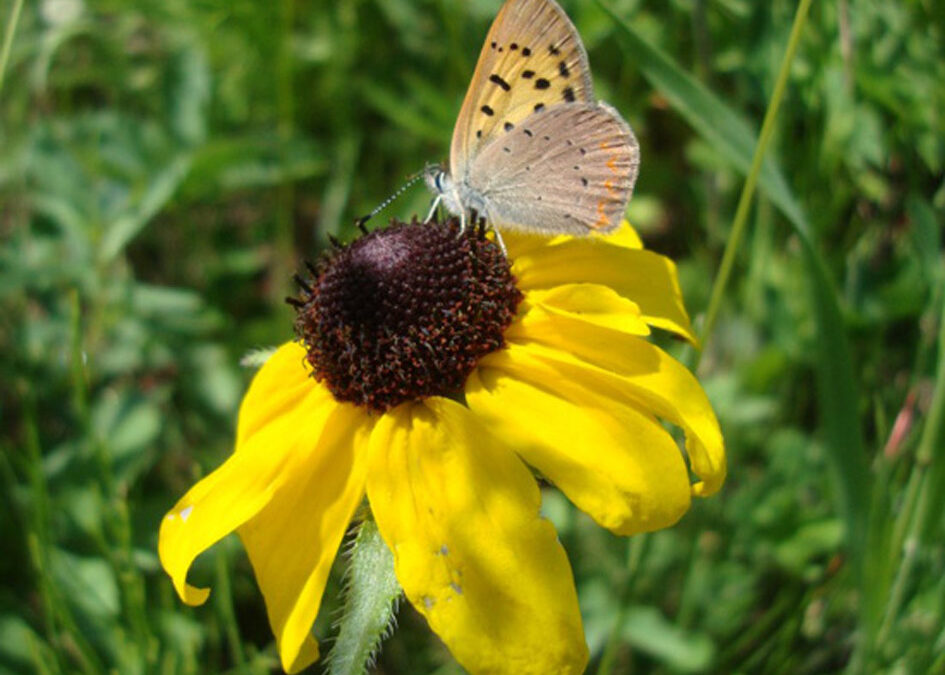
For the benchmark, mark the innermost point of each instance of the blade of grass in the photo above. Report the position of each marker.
(740, 221)
(729, 134)
(8, 39)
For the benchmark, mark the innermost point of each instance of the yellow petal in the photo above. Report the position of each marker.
(625, 236)
(289, 431)
(460, 514)
(643, 277)
(292, 542)
(276, 437)
(643, 373)
(592, 303)
(280, 384)
(519, 243)
(614, 462)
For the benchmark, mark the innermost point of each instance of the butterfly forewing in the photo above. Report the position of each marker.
(569, 168)
(532, 59)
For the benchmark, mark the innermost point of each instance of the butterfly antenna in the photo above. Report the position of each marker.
(360, 222)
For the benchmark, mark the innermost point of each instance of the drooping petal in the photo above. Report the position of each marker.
(612, 460)
(460, 513)
(647, 279)
(643, 373)
(275, 437)
(292, 542)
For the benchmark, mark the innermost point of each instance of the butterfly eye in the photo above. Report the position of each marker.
(437, 180)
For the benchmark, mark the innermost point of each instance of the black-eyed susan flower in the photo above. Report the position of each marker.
(431, 374)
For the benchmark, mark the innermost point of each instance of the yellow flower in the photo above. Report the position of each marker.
(571, 388)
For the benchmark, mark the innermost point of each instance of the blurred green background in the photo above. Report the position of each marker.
(166, 165)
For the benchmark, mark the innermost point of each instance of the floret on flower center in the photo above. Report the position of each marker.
(405, 312)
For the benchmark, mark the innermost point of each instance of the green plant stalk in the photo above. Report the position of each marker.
(57, 615)
(687, 602)
(117, 518)
(915, 482)
(38, 537)
(223, 599)
(370, 603)
(637, 547)
(8, 39)
(758, 636)
(748, 190)
(930, 467)
(285, 194)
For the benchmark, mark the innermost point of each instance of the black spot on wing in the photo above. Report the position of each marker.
(494, 44)
(496, 79)
(539, 107)
(583, 181)
(513, 46)
(568, 94)
(563, 69)
(526, 51)
(487, 110)
(508, 126)
(479, 133)
(528, 132)
(553, 50)
(528, 74)
(542, 83)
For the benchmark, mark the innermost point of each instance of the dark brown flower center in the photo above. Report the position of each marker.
(405, 312)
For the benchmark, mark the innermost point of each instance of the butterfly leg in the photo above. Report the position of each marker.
(498, 240)
(436, 203)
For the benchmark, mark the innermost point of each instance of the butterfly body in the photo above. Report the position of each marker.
(532, 149)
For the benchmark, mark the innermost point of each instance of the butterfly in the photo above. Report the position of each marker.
(532, 149)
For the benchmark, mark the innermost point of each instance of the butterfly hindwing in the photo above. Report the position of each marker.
(532, 59)
(568, 168)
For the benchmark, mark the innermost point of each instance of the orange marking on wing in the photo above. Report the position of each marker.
(612, 164)
(610, 187)
(602, 219)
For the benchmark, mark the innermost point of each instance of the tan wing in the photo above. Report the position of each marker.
(570, 168)
(533, 58)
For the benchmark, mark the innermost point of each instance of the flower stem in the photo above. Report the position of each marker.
(8, 38)
(748, 190)
(370, 605)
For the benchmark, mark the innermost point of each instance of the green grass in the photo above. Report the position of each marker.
(165, 166)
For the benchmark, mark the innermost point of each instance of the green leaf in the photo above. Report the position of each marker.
(89, 583)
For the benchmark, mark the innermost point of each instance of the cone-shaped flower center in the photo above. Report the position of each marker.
(405, 312)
